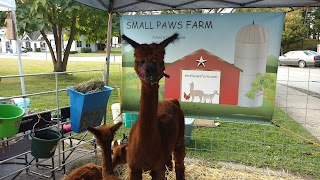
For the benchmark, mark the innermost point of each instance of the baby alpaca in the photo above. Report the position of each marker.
(119, 154)
(87, 172)
(104, 136)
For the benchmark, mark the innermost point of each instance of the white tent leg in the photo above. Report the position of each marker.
(18, 48)
(108, 47)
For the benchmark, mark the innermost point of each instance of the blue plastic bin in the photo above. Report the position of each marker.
(19, 102)
(129, 119)
(87, 109)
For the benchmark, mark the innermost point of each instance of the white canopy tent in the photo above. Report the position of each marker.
(112, 6)
(149, 5)
(10, 5)
(7, 5)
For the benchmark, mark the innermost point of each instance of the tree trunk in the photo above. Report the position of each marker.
(59, 59)
(58, 66)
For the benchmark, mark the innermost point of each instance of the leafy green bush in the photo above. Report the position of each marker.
(73, 52)
(86, 50)
(38, 50)
(312, 47)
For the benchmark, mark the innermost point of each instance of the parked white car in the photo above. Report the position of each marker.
(300, 58)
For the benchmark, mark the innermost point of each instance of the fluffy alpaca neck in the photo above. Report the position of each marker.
(148, 107)
(106, 160)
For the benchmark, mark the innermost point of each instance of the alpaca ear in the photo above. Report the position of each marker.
(130, 41)
(115, 127)
(115, 143)
(171, 39)
(124, 149)
(94, 131)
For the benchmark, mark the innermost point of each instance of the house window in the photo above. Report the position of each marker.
(43, 45)
(79, 44)
(28, 44)
(87, 45)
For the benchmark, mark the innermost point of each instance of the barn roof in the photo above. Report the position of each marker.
(150, 5)
(210, 54)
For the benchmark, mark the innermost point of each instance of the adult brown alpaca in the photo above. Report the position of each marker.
(159, 130)
(104, 136)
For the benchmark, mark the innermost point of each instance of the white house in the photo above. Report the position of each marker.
(35, 40)
(3, 40)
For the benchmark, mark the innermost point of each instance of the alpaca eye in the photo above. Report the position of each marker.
(141, 63)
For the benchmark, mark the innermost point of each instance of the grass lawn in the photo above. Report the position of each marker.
(33, 84)
(249, 144)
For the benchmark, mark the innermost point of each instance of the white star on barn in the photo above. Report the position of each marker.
(201, 61)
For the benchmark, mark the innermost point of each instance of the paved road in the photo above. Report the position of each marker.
(302, 106)
(304, 78)
(298, 94)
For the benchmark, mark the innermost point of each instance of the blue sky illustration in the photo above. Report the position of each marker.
(215, 33)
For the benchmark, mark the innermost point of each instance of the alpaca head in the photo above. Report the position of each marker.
(104, 134)
(119, 154)
(149, 58)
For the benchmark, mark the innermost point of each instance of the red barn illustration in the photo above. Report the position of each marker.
(202, 60)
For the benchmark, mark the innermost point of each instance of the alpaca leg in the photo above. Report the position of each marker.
(169, 163)
(135, 174)
(179, 153)
(158, 174)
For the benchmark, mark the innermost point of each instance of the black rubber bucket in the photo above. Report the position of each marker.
(44, 143)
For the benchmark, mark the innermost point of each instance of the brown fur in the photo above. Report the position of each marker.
(87, 172)
(159, 130)
(104, 136)
(119, 154)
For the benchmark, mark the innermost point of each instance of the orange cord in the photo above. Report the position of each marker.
(298, 135)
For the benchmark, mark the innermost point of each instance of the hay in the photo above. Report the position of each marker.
(198, 170)
(93, 85)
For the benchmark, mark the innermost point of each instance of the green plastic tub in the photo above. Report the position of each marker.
(44, 143)
(10, 119)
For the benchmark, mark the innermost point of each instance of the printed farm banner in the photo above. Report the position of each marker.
(224, 65)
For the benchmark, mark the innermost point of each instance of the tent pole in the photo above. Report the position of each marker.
(108, 47)
(18, 49)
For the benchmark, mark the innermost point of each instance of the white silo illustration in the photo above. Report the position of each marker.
(251, 50)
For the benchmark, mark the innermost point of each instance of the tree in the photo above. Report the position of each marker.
(312, 21)
(294, 28)
(50, 16)
(63, 18)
